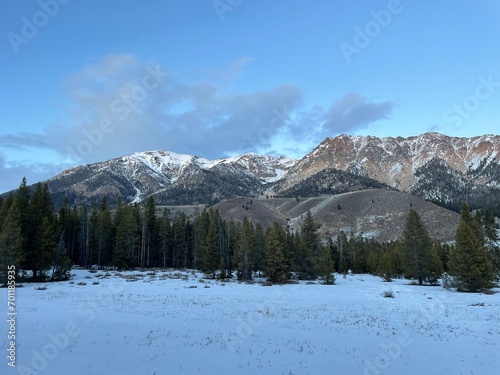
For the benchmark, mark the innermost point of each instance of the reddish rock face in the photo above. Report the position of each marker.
(394, 160)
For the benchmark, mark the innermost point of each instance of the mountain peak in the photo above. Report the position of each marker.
(431, 165)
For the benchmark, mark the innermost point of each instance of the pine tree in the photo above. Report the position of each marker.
(165, 234)
(104, 234)
(276, 267)
(344, 259)
(387, 265)
(46, 245)
(23, 204)
(61, 264)
(416, 249)
(41, 235)
(492, 242)
(326, 266)
(10, 243)
(150, 234)
(260, 243)
(469, 265)
(201, 226)
(69, 224)
(211, 259)
(311, 243)
(245, 251)
(436, 268)
(356, 253)
(127, 237)
(5, 207)
(180, 242)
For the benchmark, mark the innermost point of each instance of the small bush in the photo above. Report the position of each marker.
(41, 288)
(388, 294)
(95, 283)
(82, 283)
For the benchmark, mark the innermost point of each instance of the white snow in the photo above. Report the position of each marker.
(137, 198)
(172, 323)
(161, 161)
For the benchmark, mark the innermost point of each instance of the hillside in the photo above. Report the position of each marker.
(374, 213)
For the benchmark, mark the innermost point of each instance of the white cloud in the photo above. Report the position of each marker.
(120, 104)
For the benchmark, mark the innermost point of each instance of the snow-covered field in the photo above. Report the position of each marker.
(176, 322)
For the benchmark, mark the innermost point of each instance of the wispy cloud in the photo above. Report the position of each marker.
(120, 104)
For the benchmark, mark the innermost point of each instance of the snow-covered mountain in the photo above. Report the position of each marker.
(395, 161)
(171, 178)
(446, 170)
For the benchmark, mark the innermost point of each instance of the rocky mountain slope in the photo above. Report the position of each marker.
(372, 213)
(171, 178)
(445, 170)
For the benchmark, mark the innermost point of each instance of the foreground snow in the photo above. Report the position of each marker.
(174, 322)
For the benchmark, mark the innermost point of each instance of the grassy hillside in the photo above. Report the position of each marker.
(374, 213)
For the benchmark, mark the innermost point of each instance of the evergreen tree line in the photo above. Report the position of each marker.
(35, 237)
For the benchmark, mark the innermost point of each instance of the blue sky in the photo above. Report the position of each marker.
(86, 81)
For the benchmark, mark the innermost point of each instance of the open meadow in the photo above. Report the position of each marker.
(177, 322)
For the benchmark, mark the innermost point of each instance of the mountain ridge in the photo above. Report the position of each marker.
(443, 169)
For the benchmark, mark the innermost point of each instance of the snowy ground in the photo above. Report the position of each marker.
(175, 322)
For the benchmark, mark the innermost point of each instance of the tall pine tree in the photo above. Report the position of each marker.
(276, 265)
(469, 265)
(10, 242)
(417, 250)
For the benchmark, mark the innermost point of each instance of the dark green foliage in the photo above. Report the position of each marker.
(419, 261)
(357, 254)
(308, 249)
(41, 233)
(165, 238)
(212, 245)
(469, 265)
(326, 266)
(450, 188)
(127, 237)
(61, 265)
(245, 251)
(276, 268)
(4, 208)
(10, 242)
(331, 181)
(344, 258)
